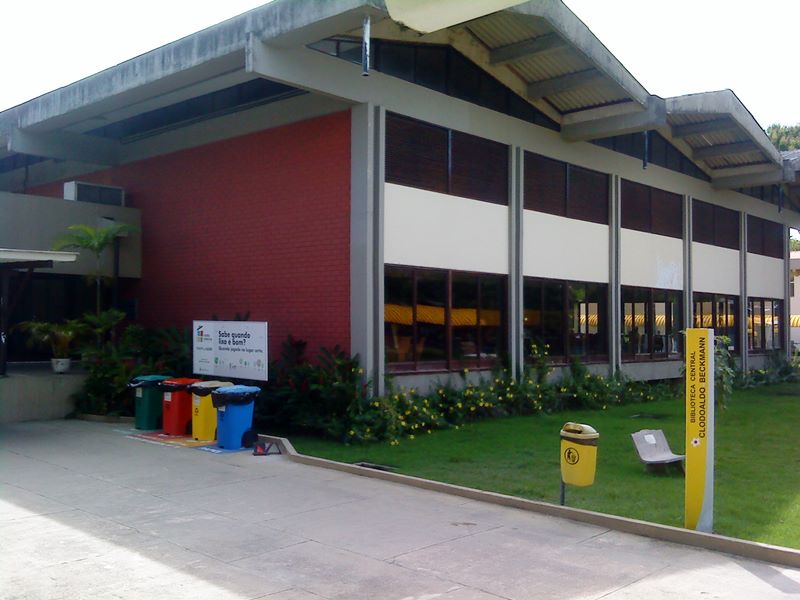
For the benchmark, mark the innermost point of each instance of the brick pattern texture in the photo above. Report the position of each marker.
(258, 223)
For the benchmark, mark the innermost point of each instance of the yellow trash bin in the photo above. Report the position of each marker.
(204, 415)
(578, 454)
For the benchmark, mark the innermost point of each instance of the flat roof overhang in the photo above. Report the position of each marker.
(540, 49)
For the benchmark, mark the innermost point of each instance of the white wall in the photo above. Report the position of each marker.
(715, 269)
(649, 260)
(560, 248)
(765, 276)
(428, 229)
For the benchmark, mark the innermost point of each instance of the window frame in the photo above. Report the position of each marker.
(698, 298)
(775, 303)
(670, 328)
(451, 362)
(566, 314)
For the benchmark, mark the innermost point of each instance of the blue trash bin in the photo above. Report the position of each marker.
(234, 406)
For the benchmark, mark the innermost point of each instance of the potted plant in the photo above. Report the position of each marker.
(59, 336)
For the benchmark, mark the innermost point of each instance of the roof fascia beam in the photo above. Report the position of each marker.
(526, 48)
(682, 131)
(653, 117)
(768, 177)
(723, 150)
(563, 83)
(295, 23)
(65, 145)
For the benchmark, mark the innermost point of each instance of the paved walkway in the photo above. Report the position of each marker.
(86, 512)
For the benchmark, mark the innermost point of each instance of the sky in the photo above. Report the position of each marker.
(672, 48)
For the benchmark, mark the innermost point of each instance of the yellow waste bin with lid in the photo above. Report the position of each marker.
(578, 454)
(204, 415)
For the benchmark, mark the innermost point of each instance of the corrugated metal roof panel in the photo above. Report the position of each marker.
(550, 64)
(737, 160)
(598, 94)
(501, 29)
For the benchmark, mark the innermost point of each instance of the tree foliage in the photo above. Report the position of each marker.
(785, 137)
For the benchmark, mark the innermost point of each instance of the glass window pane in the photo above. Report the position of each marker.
(532, 314)
(430, 310)
(769, 342)
(493, 317)
(398, 315)
(553, 318)
(396, 60)
(431, 67)
(726, 228)
(578, 320)
(777, 311)
(464, 316)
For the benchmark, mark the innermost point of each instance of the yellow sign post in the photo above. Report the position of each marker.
(699, 490)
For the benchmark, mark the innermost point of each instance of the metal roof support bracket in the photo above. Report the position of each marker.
(653, 117)
(563, 83)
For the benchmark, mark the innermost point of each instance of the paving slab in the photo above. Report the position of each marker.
(86, 511)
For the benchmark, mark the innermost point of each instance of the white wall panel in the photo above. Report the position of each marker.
(765, 276)
(560, 248)
(715, 269)
(650, 260)
(428, 229)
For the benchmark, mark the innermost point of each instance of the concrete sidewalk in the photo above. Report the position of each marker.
(86, 512)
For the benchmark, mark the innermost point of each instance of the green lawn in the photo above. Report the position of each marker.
(757, 476)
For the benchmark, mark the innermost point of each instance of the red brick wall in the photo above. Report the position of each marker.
(259, 223)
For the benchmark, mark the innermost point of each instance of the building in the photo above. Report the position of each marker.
(498, 179)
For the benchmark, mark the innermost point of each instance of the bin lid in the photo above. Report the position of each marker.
(147, 380)
(211, 384)
(151, 377)
(579, 431)
(239, 389)
(181, 381)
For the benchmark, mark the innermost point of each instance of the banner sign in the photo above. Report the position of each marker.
(699, 490)
(234, 349)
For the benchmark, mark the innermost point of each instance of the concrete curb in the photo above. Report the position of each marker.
(719, 543)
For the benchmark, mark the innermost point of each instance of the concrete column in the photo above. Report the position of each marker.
(688, 290)
(743, 290)
(614, 300)
(516, 351)
(367, 151)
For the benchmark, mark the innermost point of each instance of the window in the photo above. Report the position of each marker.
(764, 316)
(567, 318)
(764, 237)
(558, 188)
(715, 225)
(433, 158)
(718, 312)
(651, 323)
(439, 68)
(443, 320)
(648, 209)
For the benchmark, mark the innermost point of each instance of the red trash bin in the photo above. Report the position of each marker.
(177, 405)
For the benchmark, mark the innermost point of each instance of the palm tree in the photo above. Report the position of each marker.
(95, 240)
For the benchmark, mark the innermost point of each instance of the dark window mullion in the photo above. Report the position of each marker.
(448, 325)
(479, 332)
(414, 333)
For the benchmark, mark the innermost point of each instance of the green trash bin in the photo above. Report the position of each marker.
(148, 400)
